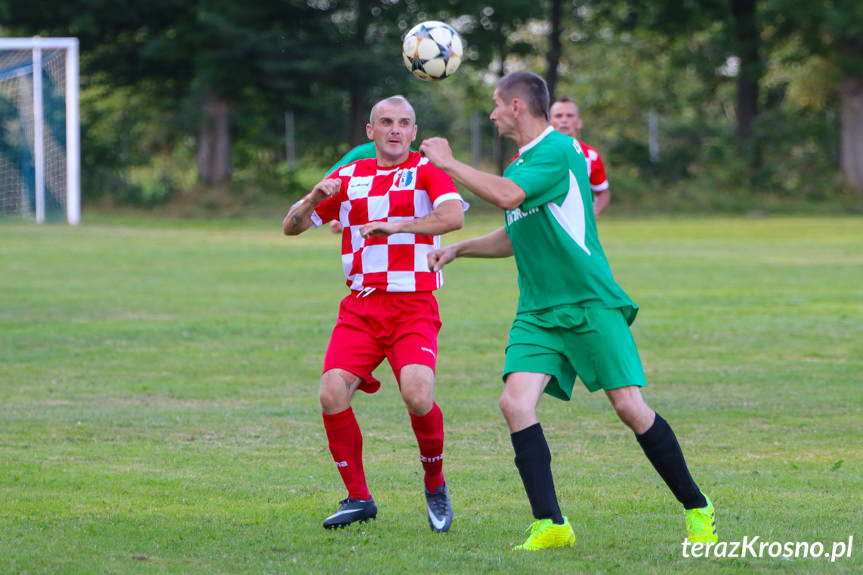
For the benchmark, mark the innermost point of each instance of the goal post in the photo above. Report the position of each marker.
(40, 134)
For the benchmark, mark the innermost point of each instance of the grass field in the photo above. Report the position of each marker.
(158, 404)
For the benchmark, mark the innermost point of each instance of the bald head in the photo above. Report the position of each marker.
(392, 125)
(392, 101)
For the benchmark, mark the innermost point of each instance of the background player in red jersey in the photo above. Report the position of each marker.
(565, 118)
(392, 209)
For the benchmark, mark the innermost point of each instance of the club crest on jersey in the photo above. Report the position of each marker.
(405, 179)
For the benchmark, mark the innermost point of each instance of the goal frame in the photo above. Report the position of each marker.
(73, 126)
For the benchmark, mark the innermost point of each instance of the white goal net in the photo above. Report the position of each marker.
(39, 129)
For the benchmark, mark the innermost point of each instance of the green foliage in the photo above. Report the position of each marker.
(148, 68)
(830, 29)
(618, 78)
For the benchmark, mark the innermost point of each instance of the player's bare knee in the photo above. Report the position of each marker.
(334, 393)
(625, 409)
(625, 413)
(511, 406)
(329, 403)
(419, 404)
(330, 400)
(418, 396)
(633, 411)
(625, 399)
(416, 384)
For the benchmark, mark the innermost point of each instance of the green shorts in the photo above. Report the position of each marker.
(594, 344)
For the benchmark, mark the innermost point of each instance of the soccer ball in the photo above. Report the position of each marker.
(432, 50)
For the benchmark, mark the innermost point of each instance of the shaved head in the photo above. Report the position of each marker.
(392, 100)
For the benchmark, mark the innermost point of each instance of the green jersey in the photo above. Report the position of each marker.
(553, 232)
(361, 152)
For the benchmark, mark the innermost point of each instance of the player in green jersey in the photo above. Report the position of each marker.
(572, 318)
(361, 152)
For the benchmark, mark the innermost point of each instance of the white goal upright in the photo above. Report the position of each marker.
(40, 136)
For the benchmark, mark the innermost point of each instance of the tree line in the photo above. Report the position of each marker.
(749, 94)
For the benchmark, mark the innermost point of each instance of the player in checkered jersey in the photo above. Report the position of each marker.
(393, 209)
(566, 120)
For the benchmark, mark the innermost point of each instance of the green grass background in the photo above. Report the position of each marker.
(158, 404)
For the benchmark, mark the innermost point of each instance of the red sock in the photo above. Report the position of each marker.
(429, 431)
(346, 445)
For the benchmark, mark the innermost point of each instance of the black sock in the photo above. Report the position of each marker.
(661, 448)
(533, 460)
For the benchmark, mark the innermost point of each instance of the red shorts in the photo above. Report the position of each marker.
(399, 326)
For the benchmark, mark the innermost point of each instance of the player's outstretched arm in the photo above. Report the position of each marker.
(499, 191)
(447, 217)
(299, 217)
(493, 245)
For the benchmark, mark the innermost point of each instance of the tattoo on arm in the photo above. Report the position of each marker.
(433, 217)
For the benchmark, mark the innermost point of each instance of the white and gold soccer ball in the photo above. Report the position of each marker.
(432, 50)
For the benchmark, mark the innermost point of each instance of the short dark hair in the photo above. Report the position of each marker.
(565, 100)
(529, 87)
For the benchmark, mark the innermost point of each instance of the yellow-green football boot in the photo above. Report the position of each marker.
(545, 534)
(701, 523)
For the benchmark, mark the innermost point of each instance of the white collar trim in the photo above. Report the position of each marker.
(535, 141)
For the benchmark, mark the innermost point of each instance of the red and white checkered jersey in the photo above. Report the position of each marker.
(396, 263)
(595, 169)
